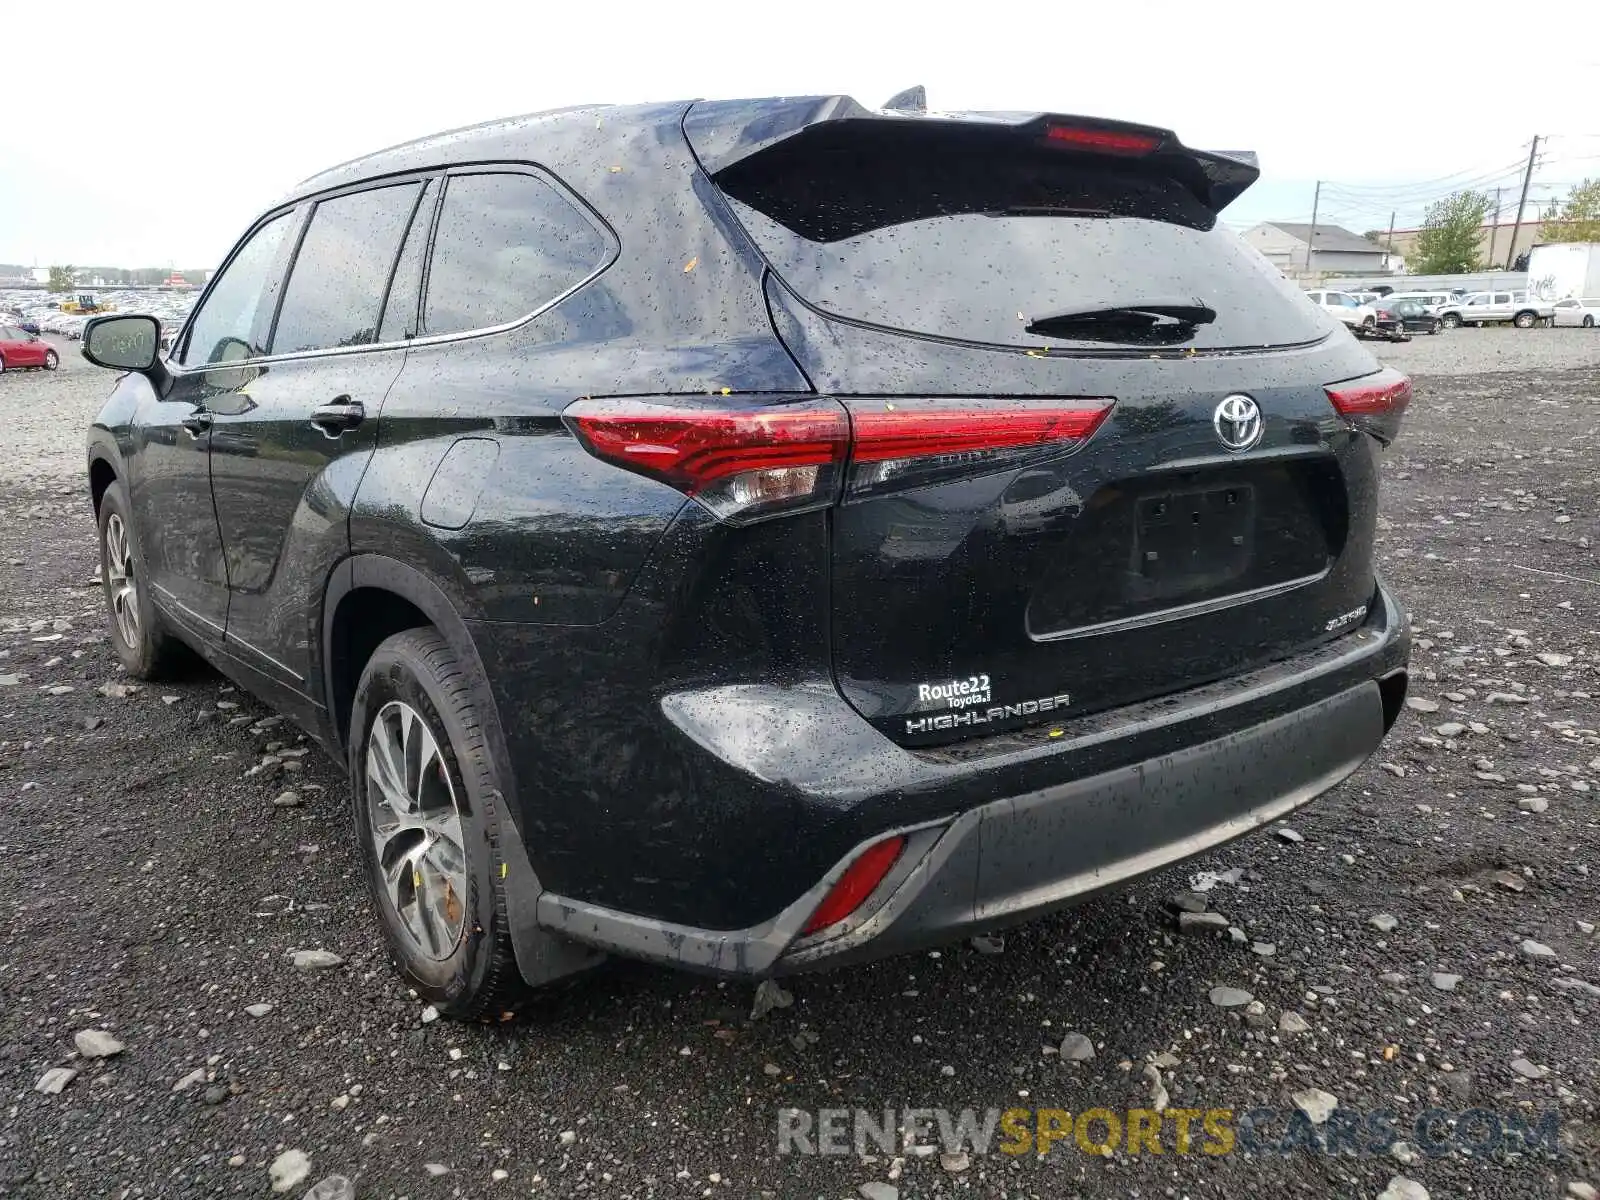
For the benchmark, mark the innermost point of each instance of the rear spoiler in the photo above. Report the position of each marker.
(724, 133)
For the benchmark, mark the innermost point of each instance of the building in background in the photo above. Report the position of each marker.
(1299, 252)
(1503, 254)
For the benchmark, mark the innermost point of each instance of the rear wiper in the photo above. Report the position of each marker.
(1160, 315)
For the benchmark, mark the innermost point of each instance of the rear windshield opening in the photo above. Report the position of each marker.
(974, 238)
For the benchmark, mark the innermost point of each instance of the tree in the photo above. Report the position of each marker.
(61, 279)
(1449, 243)
(1580, 214)
(1376, 236)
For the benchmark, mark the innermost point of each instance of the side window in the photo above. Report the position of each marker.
(230, 324)
(506, 244)
(1502, 297)
(336, 287)
(400, 311)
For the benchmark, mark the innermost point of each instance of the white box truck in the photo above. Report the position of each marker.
(1562, 269)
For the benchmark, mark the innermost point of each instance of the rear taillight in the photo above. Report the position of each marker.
(741, 463)
(1388, 391)
(1373, 404)
(1107, 141)
(904, 443)
(746, 463)
(860, 879)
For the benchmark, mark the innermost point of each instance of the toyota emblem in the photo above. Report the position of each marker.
(1237, 422)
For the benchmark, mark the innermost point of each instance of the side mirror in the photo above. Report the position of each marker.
(123, 343)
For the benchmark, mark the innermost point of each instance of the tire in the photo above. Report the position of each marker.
(51, 361)
(1451, 321)
(428, 845)
(144, 647)
(1524, 320)
(1588, 321)
(2, 362)
(1369, 324)
(1436, 326)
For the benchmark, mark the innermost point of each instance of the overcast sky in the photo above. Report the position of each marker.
(152, 134)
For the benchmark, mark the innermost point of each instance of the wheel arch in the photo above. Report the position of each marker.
(391, 595)
(101, 476)
(105, 464)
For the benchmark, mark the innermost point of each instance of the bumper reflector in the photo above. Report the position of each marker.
(860, 879)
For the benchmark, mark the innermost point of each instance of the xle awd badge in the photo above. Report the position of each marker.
(1237, 422)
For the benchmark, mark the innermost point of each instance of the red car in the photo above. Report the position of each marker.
(21, 349)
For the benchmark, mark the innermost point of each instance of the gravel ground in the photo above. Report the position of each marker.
(1495, 349)
(152, 890)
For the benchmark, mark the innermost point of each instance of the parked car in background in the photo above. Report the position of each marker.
(19, 348)
(1432, 300)
(667, 591)
(1573, 312)
(1496, 308)
(1407, 316)
(1347, 308)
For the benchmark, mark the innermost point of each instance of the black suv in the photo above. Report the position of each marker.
(761, 535)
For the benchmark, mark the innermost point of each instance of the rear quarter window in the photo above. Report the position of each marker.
(507, 245)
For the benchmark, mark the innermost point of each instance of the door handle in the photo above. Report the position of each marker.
(197, 423)
(339, 416)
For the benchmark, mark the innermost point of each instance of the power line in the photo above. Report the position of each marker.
(1426, 183)
(1409, 192)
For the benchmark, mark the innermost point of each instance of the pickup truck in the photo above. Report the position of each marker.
(1344, 307)
(1491, 308)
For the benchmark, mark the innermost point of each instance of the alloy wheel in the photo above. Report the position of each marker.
(51, 362)
(416, 830)
(121, 585)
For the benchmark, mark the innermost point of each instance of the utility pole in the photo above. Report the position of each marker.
(1494, 227)
(1527, 178)
(1311, 237)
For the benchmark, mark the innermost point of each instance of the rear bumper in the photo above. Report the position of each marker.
(1028, 827)
(1024, 856)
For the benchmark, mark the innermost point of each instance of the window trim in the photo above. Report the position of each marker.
(280, 268)
(442, 174)
(583, 207)
(424, 196)
(300, 240)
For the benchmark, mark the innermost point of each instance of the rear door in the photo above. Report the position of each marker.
(1093, 457)
(290, 441)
